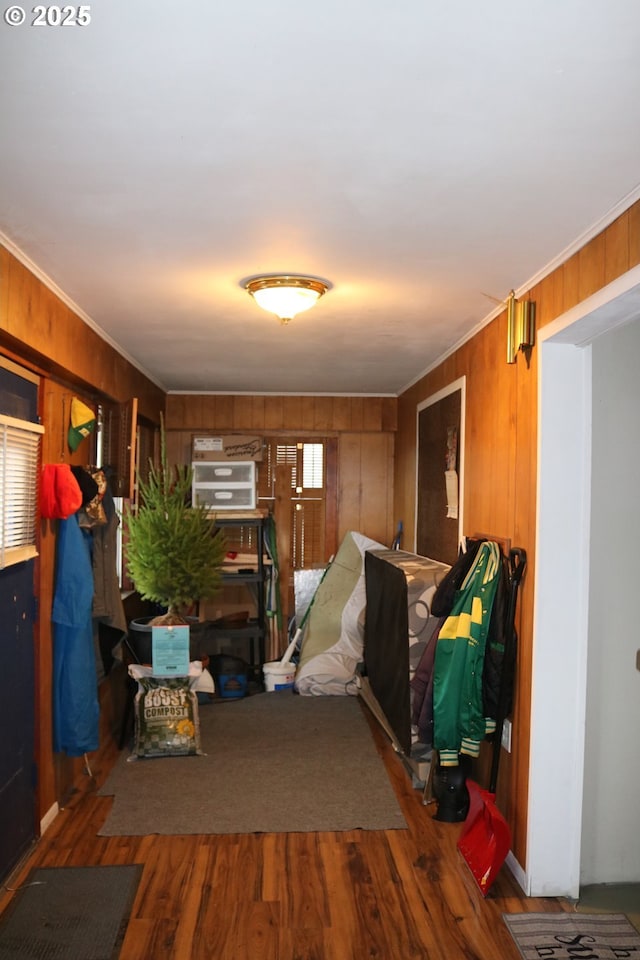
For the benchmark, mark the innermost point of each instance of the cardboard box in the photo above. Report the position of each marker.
(229, 600)
(229, 447)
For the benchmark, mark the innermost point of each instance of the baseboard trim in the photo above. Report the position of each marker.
(518, 873)
(48, 818)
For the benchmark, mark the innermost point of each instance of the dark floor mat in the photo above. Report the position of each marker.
(69, 913)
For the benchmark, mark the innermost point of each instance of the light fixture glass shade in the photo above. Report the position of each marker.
(286, 296)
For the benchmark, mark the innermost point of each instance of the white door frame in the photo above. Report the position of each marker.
(561, 607)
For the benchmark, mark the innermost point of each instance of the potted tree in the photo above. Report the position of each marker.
(173, 551)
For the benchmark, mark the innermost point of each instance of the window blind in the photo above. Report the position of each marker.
(19, 458)
(313, 466)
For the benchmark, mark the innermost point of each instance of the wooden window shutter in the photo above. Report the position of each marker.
(119, 425)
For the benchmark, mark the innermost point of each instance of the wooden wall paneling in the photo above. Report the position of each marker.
(196, 412)
(304, 415)
(391, 521)
(207, 411)
(570, 282)
(45, 335)
(349, 480)
(365, 479)
(389, 414)
(83, 342)
(242, 409)
(273, 413)
(14, 281)
(499, 499)
(190, 412)
(363, 500)
(256, 424)
(503, 506)
(175, 411)
(616, 248)
(151, 399)
(479, 430)
(51, 413)
(111, 372)
(341, 414)
(404, 474)
(179, 446)
(524, 536)
(20, 316)
(490, 480)
(178, 411)
(501, 452)
(490, 464)
(331, 542)
(372, 414)
(50, 335)
(357, 413)
(56, 773)
(39, 318)
(633, 217)
(376, 476)
(307, 413)
(59, 319)
(549, 300)
(224, 413)
(591, 267)
(291, 413)
(195, 409)
(4, 288)
(323, 414)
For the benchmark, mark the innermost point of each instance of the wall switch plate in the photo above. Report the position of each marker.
(506, 735)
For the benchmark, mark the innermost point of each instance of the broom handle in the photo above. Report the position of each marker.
(517, 563)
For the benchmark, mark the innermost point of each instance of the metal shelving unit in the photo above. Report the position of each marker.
(253, 632)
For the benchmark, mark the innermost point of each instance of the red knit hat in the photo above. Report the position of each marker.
(60, 493)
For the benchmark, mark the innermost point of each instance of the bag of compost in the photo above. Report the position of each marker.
(166, 713)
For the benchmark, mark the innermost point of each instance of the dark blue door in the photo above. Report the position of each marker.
(18, 398)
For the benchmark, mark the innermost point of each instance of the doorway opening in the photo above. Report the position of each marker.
(297, 482)
(562, 603)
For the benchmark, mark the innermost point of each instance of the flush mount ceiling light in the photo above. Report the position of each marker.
(286, 295)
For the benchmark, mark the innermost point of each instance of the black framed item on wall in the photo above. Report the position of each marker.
(439, 481)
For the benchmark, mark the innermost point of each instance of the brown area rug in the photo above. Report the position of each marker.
(273, 763)
(566, 936)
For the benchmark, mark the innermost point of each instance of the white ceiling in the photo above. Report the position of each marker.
(417, 155)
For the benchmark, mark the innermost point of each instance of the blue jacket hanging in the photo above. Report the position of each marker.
(75, 695)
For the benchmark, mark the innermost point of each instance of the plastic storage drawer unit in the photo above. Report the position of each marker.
(224, 486)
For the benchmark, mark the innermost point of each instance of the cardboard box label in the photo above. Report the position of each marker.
(230, 447)
(208, 444)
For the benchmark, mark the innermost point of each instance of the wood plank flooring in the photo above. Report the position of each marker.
(393, 895)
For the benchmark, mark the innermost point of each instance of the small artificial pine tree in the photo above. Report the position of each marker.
(173, 551)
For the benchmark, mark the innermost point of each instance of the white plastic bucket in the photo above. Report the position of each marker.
(278, 676)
